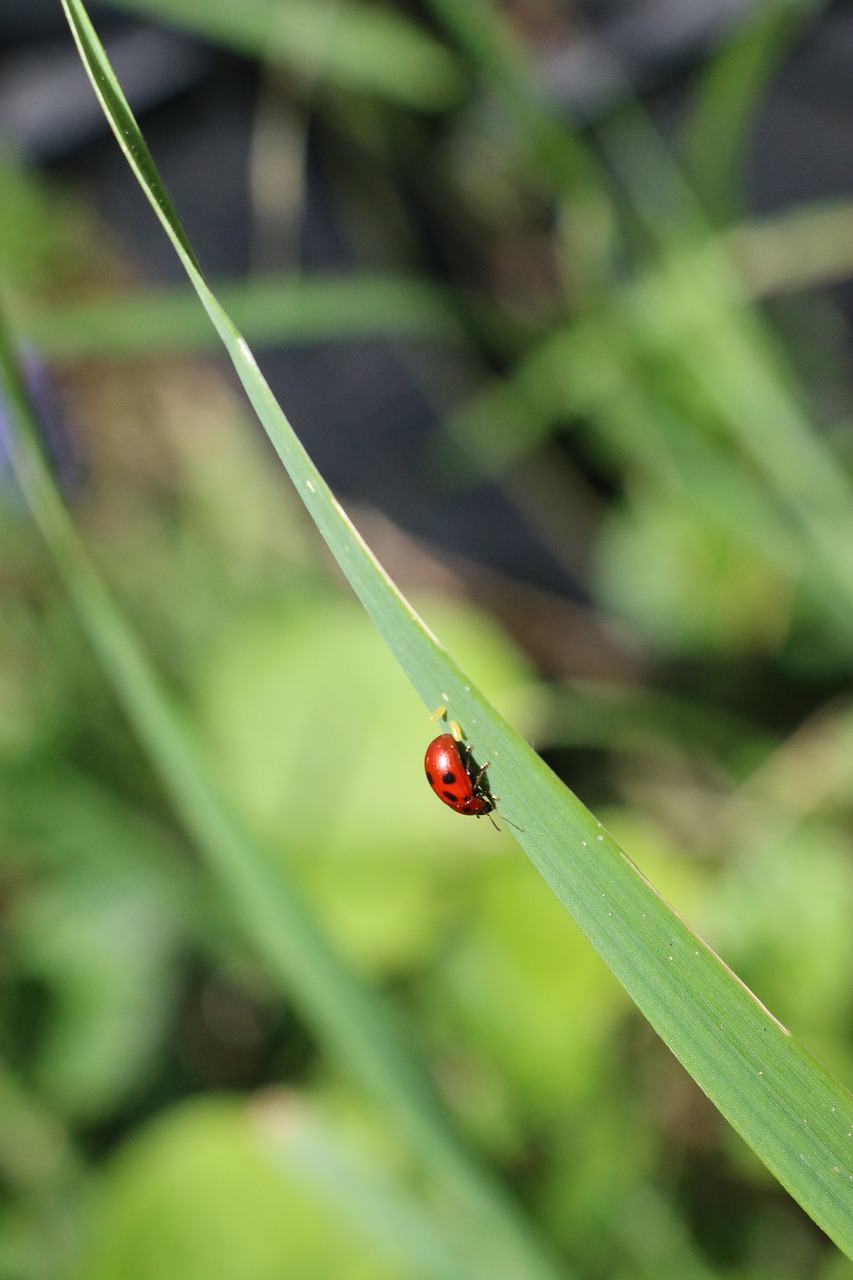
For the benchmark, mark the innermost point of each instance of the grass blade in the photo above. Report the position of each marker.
(729, 91)
(356, 46)
(291, 309)
(354, 1024)
(792, 1112)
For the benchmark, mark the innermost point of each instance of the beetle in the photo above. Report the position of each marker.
(456, 778)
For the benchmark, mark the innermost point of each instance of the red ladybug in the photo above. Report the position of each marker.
(455, 778)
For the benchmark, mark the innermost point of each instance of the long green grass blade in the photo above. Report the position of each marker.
(357, 1027)
(728, 95)
(297, 1141)
(796, 1117)
(287, 309)
(797, 249)
(341, 42)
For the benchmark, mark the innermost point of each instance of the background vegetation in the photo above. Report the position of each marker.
(650, 379)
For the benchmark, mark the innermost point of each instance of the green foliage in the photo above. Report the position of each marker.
(352, 45)
(194, 1196)
(158, 946)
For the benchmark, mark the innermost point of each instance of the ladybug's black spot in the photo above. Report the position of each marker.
(429, 777)
(451, 796)
(448, 777)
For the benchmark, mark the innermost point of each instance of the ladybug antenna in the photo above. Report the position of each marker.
(504, 818)
(508, 821)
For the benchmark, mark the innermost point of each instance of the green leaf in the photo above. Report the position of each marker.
(797, 1117)
(292, 1134)
(195, 1195)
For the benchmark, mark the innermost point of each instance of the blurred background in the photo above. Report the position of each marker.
(558, 297)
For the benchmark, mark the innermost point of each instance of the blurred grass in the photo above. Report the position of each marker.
(728, 570)
(268, 310)
(352, 45)
(791, 1111)
(727, 98)
(355, 1025)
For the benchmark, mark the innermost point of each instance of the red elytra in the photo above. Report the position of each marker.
(454, 777)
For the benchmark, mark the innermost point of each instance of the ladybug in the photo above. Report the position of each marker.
(455, 777)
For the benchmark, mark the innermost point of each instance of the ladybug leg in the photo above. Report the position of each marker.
(479, 776)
